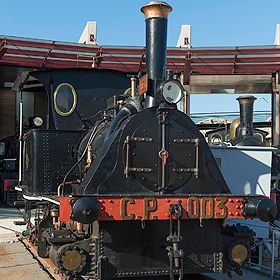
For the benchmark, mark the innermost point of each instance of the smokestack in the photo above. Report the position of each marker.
(245, 130)
(156, 14)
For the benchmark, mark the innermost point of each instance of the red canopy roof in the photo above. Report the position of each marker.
(34, 53)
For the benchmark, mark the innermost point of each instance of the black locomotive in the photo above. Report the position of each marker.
(123, 183)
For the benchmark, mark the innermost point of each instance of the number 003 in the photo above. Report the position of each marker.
(207, 208)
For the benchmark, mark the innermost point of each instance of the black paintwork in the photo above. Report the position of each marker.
(48, 155)
(127, 248)
(156, 40)
(93, 88)
(140, 249)
(106, 175)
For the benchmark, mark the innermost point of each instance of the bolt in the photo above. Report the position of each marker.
(86, 212)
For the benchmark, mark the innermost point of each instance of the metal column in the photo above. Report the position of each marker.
(186, 100)
(275, 110)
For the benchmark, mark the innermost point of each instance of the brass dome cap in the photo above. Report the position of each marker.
(156, 9)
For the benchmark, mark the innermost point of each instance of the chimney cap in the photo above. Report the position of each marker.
(156, 9)
(246, 97)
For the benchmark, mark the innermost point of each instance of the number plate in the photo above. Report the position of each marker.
(157, 208)
(143, 84)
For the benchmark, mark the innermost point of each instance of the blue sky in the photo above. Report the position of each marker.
(214, 23)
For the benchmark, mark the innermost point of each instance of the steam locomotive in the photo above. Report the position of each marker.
(123, 184)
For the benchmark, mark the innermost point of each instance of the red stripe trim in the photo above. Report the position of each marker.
(157, 208)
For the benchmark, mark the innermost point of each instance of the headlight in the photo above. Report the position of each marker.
(172, 91)
(37, 121)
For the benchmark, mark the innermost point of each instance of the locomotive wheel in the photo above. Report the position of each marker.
(71, 260)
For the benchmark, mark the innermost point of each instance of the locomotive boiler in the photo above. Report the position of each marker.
(124, 185)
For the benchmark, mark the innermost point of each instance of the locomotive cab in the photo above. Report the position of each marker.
(62, 108)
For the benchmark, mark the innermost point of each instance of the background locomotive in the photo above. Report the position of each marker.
(125, 185)
(241, 131)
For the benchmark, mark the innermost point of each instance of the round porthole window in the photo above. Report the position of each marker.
(65, 99)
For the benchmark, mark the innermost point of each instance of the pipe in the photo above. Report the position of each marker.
(156, 14)
(232, 128)
(246, 104)
(124, 112)
(20, 139)
(275, 234)
(133, 86)
(245, 130)
(275, 110)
